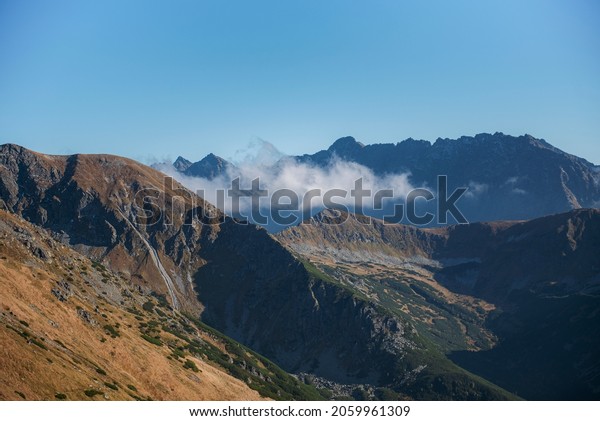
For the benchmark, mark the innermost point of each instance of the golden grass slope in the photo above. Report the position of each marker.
(90, 344)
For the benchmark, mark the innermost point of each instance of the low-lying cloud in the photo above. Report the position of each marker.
(276, 173)
(298, 177)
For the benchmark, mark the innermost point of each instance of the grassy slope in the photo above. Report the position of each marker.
(440, 378)
(108, 340)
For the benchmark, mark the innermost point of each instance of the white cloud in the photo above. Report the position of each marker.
(298, 177)
(476, 189)
(259, 152)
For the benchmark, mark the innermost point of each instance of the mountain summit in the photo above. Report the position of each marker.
(181, 164)
(345, 146)
(209, 167)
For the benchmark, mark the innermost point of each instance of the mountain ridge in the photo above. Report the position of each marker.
(508, 177)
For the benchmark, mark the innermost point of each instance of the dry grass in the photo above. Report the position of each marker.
(31, 319)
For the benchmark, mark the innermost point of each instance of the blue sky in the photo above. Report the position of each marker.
(156, 79)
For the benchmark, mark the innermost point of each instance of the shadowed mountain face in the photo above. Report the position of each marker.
(509, 178)
(535, 331)
(151, 234)
(181, 164)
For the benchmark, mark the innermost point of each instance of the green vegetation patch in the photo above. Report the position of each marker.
(190, 365)
(92, 392)
(112, 331)
(152, 340)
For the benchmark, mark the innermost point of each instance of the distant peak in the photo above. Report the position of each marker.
(414, 142)
(181, 159)
(347, 143)
(181, 164)
(212, 158)
(494, 138)
(208, 167)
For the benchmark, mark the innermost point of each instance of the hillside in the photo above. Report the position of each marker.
(491, 295)
(72, 329)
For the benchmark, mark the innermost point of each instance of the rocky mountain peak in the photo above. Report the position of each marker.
(212, 158)
(181, 164)
(345, 145)
(209, 167)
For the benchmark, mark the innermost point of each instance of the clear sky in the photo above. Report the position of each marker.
(156, 79)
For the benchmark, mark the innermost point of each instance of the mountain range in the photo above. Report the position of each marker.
(507, 177)
(102, 249)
